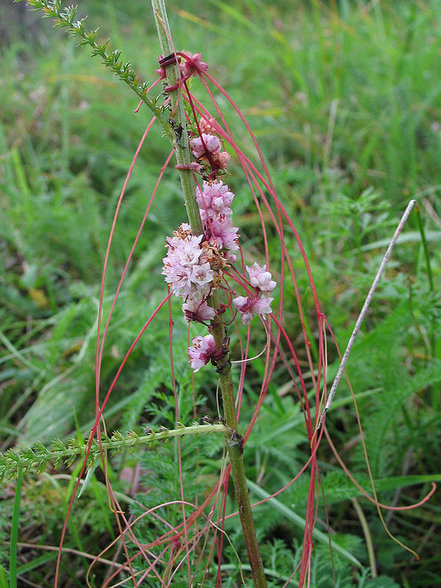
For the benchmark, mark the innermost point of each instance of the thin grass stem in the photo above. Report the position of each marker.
(367, 536)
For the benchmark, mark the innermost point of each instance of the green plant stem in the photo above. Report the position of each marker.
(367, 536)
(235, 449)
(177, 116)
(425, 247)
(234, 439)
(435, 398)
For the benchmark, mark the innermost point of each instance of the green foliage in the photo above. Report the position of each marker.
(386, 346)
(66, 18)
(279, 558)
(161, 475)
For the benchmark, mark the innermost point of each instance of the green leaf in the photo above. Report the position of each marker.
(3, 578)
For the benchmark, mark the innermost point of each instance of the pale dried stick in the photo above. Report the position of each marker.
(364, 311)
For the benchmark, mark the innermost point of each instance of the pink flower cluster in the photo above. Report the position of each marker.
(201, 351)
(260, 278)
(193, 264)
(187, 269)
(209, 147)
(206, 125)
(250, 306)
(205, 144)
(214, 205)
(192, 65)
(257, 303)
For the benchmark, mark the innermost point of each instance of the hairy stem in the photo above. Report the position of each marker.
(234, 439)
(177, 118)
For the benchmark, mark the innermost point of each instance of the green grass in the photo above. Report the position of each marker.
(345, 99)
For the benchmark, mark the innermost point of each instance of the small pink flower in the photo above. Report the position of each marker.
(201, 351)
(202, 274)
(214, 199)
(204, 145)
(248, 307)
(195, 310)
(222, 232)
(186, 265)
(262, 305)
(205, 126)
(193, 65)
(260, 278)
(241, 303)
(189, 252)
(222, 159)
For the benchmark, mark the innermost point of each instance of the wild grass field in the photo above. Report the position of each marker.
(345, 101)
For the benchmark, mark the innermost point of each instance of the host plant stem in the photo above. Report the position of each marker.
(234, 440)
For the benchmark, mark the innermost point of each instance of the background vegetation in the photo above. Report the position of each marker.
(345, 99)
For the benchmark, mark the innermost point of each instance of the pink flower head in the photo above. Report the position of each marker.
(192, 65)
(242, 303)
(260, 278)
(223, 234)
(202, 274)
(221, 159)
(214, 199)
(186, 266)
(248, 307)
(201, 351)
(197, 310)
(206, 126)
(262, 305)
(204, 145)
(214, 205)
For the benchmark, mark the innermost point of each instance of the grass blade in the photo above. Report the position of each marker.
(300, 522)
